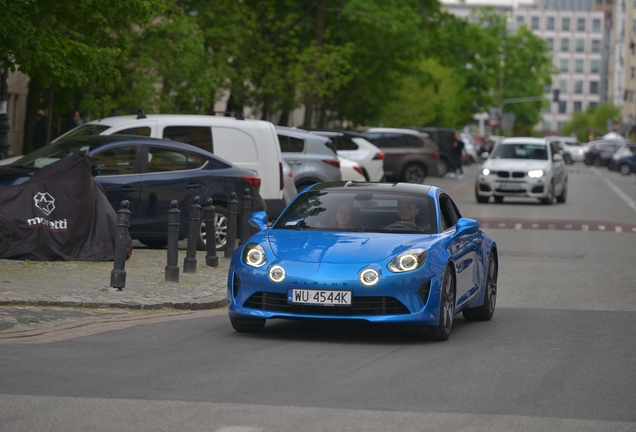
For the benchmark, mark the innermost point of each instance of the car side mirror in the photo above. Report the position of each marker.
(95, 170)
(466, 226)
(258, 219)
(557, 157)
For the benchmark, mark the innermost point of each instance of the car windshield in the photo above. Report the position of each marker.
(521, 151)
(52, 153)
(357, 211)
(84, 130)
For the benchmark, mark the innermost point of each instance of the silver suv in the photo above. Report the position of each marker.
(311, 157)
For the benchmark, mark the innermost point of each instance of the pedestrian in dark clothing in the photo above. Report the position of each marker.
(458, 152)
(41, 129)
(72, 120)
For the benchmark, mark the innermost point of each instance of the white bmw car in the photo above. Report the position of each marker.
(523, 167)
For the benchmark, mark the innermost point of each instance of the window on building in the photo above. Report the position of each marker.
(578, 106)
(580, 45)
(550, 43)
(547, 88)
(565, 45)
(593, 105)
(563, 107)
(520, 19)
(547, 125)
(596, 45)
(560, 126)
(534, 23)
(563, 85)
(596, 25)
(547, 109)
(633, 25)
(580, 24)
(563, 65)
(595, 66)
(578, 65)
(565, 24)
(578, 86)
(549, 25)
(593, 87)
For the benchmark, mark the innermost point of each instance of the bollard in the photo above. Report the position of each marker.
(190, 261)
(209, 218)
(232, 210)
(246, 209)
(172, 269)
(118, 275)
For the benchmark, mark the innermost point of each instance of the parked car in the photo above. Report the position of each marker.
(470, 149)
(572, 149)
(311, 157)
(599, 152)
(351, 170)
(248, 144)
(379, 269)
(409, 156)
(354, 146)
(623, 160)
(289, 189)
(444, 138)
(150, 173)
(523, 167)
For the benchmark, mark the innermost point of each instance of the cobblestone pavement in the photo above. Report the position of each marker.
(36, 294)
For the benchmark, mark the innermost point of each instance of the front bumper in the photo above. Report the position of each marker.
(495, 185)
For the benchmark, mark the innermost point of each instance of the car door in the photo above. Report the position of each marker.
(464, 250)
(120, 175)
(558, 168)
(168, 174)
(293, 151)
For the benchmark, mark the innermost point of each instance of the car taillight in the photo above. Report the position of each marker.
(435, 155)
(332, 162)
(252, 180)
(359, 169)
(379, 156)
(280, 175)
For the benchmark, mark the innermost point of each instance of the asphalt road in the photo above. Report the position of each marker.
(559, 354)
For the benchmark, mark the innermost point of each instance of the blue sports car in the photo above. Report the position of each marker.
(381, 252)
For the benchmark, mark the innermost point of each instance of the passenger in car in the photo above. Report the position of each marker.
(345, 217)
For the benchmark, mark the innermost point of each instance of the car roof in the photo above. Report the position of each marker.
(396, 130)
(410, 188)
(300, 133)
(181, 118)
(523, 140)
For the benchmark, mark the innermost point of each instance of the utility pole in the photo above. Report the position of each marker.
(4, 117)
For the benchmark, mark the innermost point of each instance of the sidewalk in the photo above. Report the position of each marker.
(87, 284)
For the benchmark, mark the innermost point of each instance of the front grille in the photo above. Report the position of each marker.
(518, 174)
(276, 302)
(503, 174)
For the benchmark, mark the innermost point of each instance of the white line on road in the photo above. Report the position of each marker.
(502, 225)
(535, 225)
(568, 226)
(619, 229)
(585, 227)
(518, 226)
(601, 227)
(622, 195)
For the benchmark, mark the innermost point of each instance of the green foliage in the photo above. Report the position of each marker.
(591, 123)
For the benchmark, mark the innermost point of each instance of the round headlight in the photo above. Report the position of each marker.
(369, 277)
(486, 171)
(409, 260)
(254, 255)
(276, 273)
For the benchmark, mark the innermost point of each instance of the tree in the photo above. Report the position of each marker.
(589, 123)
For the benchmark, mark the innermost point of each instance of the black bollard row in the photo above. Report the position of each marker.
(172, 269)
(246, 209)
(232, 211)
(118, 274)
(209, 218)
(190, 261)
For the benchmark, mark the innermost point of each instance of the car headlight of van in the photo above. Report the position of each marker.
(536, 173)
(254, 255)
(409, 260)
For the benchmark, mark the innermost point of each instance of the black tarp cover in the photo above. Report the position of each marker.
(60, 214)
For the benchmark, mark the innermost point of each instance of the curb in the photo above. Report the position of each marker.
(205, 305)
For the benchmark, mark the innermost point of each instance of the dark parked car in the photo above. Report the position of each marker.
(623, 160)
(409, 155)
(600, 152)
(444, 138)
(150, 173)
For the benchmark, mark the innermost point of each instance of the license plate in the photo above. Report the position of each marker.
(509, 186)
(319, 297)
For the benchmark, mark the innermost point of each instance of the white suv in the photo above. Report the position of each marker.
(248, 144)
(523, 167)
(572, 149)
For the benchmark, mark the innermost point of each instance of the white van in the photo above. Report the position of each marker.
(249, 144)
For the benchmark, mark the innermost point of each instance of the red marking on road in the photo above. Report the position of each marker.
(552, 224)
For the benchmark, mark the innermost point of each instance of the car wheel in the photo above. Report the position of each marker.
(154, 244)
(486, 311)
(247, 325)
(220, 216)
(587, 162)
(597, 161)
(549, 200)
(625, 169)
(567, 159)
(446, 309)
(498, 199)
(414, 173)
(564, 193)
(442, 167)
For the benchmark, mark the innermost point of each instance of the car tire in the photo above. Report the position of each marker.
(499, 199)
(247, 325)
(442, 167)
(549, 200)
(486, 311)
(482, 199)
(414, 173)
(567, 159)
(597, 162)
(564, 194)
(442, 331)
(625, 169)
(154, 244)
(221, 218)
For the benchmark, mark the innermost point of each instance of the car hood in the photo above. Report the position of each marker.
(516, 164)
(343, 248)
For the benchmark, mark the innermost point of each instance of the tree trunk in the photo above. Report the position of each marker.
(34, 96)
(284, 118)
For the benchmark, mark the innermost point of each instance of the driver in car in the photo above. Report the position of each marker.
(407, 210)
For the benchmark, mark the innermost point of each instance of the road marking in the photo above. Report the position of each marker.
(619, 229)
(585, 227)
(535, 225)
(622, 195)
(518, 226)
(568, 226)
(601, 227)
(502, 225)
